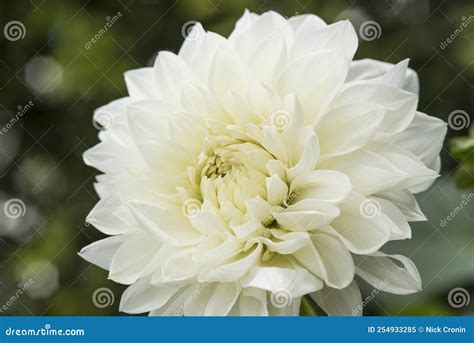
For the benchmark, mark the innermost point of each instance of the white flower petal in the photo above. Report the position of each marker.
(277, 190)
(383, 273)
(306, 215)
(400, 106)
(232, 271)
(131, 258)
(192, 43)
(101, 252)
(369, 69)
(141, 84)
(295, 282)
(259, 29)
(253, 302)
(406, 202)
(305, 23)
(340, 36)
(316, 79)
(227, 73)
(424, 138)
(143, 297)
(214, 299)
(327, 258)
(340, 302)
(168, 226)
(324, 185)
(170, 72)
(336, 262)
(361, 226)
(268, 60)
(348, 128)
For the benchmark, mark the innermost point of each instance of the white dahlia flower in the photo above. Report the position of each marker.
(246, 172)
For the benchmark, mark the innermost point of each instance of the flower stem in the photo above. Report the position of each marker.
(307, 308)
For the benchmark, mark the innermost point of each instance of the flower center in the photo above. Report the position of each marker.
(220, 163)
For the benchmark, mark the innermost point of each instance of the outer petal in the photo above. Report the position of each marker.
(143, 297)
(340, 36)
(381, 272)
(327, 258)
(424, 138)
(257, 29)
(253, 302)
(169, 226)
(141, 83)
(316, 79)
(400, 106)
(348, 128)
(131, 258)
(294, 282)
(361, 226)
(373, 70)
(340, 302)
(406, 202)
(306, 23)
(101, 252)
(215, 299)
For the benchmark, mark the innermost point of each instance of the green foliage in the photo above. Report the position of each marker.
(463, 150)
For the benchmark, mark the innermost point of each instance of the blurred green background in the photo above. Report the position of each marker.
(55, 76)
